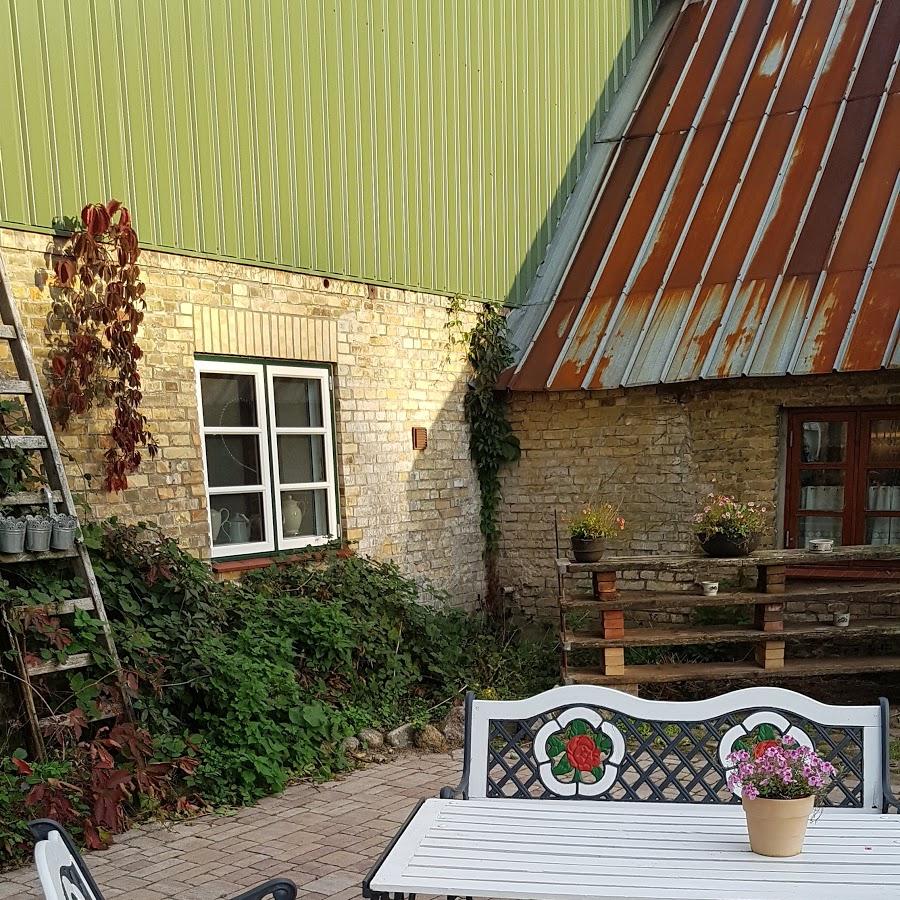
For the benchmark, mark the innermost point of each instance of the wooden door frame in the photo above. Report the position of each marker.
(853, 515)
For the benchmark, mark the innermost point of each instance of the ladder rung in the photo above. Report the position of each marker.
(8, 332)
(11, 558)
(23, 442)
(56, 608)
(107, 711)
(14, 386)
(48, 667)
(29, 498)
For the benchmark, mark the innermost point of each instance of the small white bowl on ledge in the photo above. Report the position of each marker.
(820, 545)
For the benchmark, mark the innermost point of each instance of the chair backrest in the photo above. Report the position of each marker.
(62, 871)
(589, 742)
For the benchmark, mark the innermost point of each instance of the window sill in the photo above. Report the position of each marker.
(229, 569)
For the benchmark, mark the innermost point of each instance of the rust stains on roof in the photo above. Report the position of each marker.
(748, 221)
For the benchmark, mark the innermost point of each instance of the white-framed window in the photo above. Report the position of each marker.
(268, 456)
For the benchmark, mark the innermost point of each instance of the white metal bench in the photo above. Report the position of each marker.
(667, 762)
(64, 875)
(666, 751)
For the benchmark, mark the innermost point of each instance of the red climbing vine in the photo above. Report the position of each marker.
(99, 309)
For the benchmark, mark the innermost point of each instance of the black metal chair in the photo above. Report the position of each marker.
(64, 875)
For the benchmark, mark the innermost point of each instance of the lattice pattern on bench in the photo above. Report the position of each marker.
(677, 761)
(591, 742)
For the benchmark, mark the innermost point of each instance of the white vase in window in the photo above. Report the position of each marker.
(291, 515)
(219, 517)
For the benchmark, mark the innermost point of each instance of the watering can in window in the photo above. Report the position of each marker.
(238, 529)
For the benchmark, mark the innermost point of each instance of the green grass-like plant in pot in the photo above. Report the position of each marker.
(590, 530)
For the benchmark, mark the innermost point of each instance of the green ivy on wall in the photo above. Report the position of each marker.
(491, 439)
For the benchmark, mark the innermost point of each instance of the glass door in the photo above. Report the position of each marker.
(880, 478)
(820, 470)
(843, 476)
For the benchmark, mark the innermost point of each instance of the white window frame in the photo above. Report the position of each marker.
(325, 430)
(268, 432)
(211, 367)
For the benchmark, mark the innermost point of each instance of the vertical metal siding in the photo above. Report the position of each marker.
(423, 143)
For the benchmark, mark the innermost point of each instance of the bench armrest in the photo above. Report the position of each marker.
(888, 798)
(461, 791)
(276, 889)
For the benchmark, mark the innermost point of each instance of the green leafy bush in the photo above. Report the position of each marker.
(267, 677)
(244, 686)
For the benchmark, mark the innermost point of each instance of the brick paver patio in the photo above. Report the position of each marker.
(324, 837)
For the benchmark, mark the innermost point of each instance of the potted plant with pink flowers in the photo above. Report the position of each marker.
(779, 782)
(590, 530)
(729, 528)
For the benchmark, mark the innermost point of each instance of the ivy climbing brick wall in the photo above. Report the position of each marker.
(392, 371)
(657, 451)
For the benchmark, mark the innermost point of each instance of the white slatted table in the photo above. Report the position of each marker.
(565, 850)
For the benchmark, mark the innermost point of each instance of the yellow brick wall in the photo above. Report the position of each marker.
(392, 371)
(658, 452)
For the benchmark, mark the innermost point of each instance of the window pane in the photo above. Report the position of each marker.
(884, 441)
(229, 401)
(237, 519)
(823, 441)
(304, 513)
(298, 402)
(818, 527)
(233, 460)
(884, 489)
(882, 530)
(301, 458)
(822, 489)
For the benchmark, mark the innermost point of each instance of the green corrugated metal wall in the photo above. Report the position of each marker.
(423, 143)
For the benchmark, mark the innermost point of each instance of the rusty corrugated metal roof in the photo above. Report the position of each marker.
(747, 223)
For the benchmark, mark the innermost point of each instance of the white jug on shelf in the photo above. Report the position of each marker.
(291, 515)
(218, 517)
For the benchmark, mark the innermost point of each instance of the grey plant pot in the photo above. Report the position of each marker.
(12, 535)
(588, 550)
(65, 530)
(38, 530)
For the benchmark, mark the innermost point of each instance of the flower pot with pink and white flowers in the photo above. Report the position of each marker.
(779, 781)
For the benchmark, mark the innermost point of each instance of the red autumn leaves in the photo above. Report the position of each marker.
(96, 355)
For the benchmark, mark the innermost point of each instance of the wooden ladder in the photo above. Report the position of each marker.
(43, 441)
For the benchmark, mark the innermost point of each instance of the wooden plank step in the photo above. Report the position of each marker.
(23, 442)
(878, 591)
(30, 498)
(107, 711)
(48, 667)
(8, 332)
(9, 559)
(688, 563)
(675, 636)
(14, 386)
(57, 608)
(723, 671)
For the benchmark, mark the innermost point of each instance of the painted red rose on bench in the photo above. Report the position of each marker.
(762, 746)
(582, 753)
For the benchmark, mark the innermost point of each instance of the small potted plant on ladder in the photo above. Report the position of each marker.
(590, 530)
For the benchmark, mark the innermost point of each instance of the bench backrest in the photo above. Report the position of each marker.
(637, 749)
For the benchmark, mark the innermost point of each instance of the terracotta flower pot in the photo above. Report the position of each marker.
(588, 550)
(777, 827)
(718, 545)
